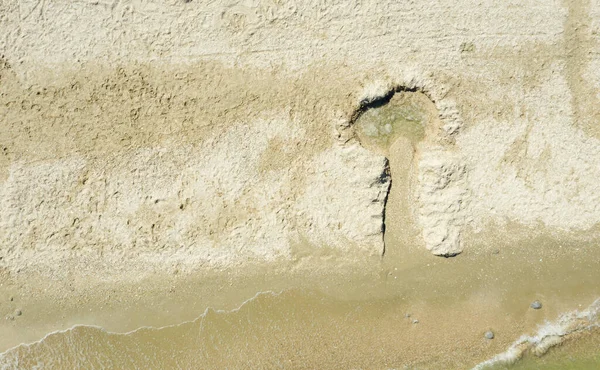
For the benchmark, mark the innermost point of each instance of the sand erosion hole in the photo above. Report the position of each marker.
(396, 126)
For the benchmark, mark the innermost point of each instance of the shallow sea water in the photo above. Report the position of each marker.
(416, 315)
(582, 353)
(291, 329)
(294, 329)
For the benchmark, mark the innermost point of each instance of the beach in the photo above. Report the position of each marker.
(276, 184)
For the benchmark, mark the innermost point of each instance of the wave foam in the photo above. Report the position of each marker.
(548, 335)
(10, 359)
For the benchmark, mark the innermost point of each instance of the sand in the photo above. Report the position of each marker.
(197, 134)
(355, 308)
(160, 158)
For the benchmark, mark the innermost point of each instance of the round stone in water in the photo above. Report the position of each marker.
(536, 305)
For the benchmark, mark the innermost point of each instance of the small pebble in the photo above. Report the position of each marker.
(489, 334)
(18, 312)
(536, 305)
(415, 321)
(10, 317)
(496, 251)
(407, 315)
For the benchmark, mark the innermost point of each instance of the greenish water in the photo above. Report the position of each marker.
(405, 115)
(579, 353)
(571, 363)
(565, 361)
(576, 349)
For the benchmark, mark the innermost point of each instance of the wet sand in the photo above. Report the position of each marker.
(353, 317)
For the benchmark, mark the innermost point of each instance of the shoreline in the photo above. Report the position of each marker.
(453, 302)
(158, 159)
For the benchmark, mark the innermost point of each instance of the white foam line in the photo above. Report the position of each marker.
(548, 335)
(27, 345)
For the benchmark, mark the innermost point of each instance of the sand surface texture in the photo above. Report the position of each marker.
(148, 142)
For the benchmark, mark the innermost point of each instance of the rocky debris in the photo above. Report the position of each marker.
(415, 321)
(18, 312)
(536, 305)
(489, 334)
